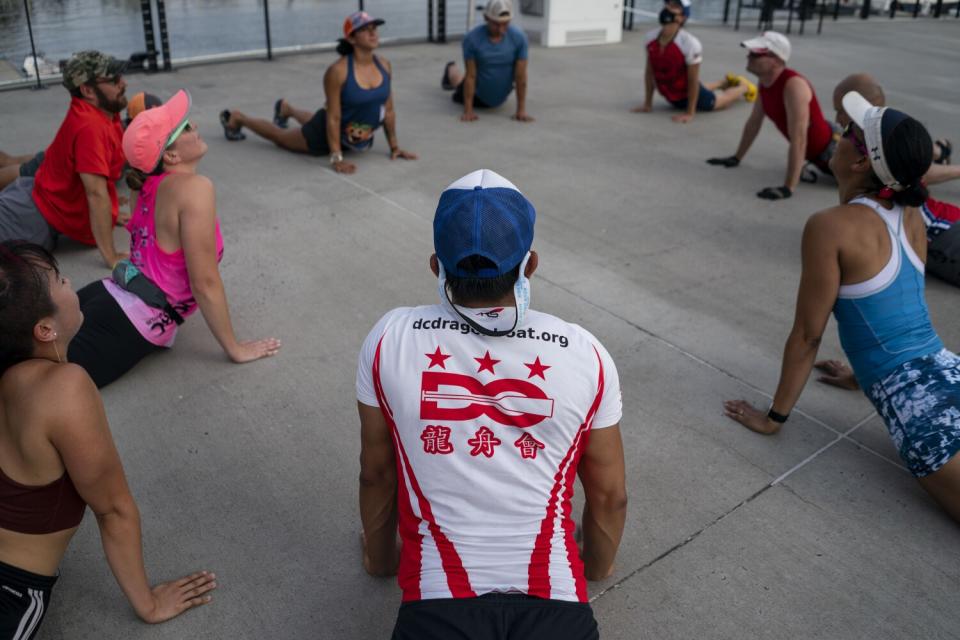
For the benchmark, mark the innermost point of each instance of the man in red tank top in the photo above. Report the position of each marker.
(787, 98)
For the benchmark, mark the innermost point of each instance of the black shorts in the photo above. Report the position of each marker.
(107, 345)
(495, 616)
(24, 600)
(477, 102)
(29, 168)
(315, 133)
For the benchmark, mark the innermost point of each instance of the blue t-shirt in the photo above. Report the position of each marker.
(495, 61)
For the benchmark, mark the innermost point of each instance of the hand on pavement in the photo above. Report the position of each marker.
(254, 350)
(344, 167)
(837, 374)
(522, 116)
(468, 116)
(750, 417)
(682, 118)
(400, 153)
(775, 193)
(729, 161)
(170, 599)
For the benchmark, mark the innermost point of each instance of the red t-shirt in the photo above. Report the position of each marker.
(819, 133)
(88, 142)
(670, 63)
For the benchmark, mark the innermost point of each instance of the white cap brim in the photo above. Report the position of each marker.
(857, 107)
(756, 44)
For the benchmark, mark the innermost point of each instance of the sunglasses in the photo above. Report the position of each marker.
(758, 54)
(114, 80)
(187, 128)
(850, 133)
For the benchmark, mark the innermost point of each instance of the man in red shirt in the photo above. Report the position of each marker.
(73, 191)
(674, 56)
(787, 98)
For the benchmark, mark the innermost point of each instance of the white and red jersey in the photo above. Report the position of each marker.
(488, 432)
(670, 63)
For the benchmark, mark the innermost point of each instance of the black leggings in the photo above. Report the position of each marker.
(495, 616)
(107, 345)
(24, 599)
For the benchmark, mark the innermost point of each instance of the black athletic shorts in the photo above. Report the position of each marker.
(477, 102)
(29, 168)
(315, 133)
(495, 616)
(107, 345)
(24, 599)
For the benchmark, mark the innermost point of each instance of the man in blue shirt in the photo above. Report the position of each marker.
(495, 56)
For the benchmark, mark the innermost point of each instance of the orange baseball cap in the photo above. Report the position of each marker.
(358, 20)
(154, 130)
(141, 102)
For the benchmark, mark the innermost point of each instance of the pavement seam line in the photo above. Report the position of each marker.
(693, 536)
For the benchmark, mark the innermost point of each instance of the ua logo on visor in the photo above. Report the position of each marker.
(454, 396)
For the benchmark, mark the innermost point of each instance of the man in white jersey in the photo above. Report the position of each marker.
(476, 416)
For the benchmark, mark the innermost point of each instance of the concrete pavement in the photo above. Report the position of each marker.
(687, 278)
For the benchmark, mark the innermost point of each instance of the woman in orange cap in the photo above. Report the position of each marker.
(359, 101)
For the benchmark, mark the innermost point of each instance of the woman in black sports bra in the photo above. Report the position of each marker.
(57, 456)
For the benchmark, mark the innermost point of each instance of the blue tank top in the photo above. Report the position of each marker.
(883, 322)
(362, 110)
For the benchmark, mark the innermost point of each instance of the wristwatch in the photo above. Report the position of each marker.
(336, 157)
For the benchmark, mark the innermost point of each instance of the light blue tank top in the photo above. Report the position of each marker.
(362, 110)
(883, 322)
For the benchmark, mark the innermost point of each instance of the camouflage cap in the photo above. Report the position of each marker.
(87, 66)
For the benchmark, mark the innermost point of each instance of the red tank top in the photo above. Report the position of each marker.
(819, 133)
(37, 510)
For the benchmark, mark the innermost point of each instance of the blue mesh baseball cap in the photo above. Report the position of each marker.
(483, 214)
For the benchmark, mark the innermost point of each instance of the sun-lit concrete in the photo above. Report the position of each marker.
(676, 266)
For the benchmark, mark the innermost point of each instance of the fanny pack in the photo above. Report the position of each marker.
(128, 277)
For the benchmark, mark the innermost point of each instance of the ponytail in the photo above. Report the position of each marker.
(909, 153)
(912, 196)
(344, 47)
(136, 178)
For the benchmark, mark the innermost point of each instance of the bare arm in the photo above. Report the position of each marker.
(693, 94)
(520, 77)
(378, 493)
(333, 81)
(390, 124)
(648, 86)
(82, 437)
(197, 209)
(602, 474)
(942, 173)
(796, 99)
(819, 284)
(469, 89)
(750, 130)
(101, 216)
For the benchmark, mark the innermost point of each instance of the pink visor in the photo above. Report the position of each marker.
(149, 134)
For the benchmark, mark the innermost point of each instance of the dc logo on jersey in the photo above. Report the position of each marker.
(492, 313)
(455, 396)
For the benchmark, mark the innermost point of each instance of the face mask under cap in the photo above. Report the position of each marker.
(521, 295)
(667, 17)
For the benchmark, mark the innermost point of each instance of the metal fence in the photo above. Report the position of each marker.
(161, 34)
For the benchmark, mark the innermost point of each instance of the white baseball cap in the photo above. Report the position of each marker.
(877, 123)
(772, 42)
(498, 10)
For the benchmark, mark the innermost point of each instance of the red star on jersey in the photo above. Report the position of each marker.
(436, 358)
(486, 362)
(537, 368)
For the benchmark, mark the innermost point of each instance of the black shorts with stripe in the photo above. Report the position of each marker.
(24, 598)
(495, 616)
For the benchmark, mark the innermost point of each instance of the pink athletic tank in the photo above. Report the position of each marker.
(167, 270)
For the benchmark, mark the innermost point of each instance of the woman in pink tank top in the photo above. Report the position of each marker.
(175, 244)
